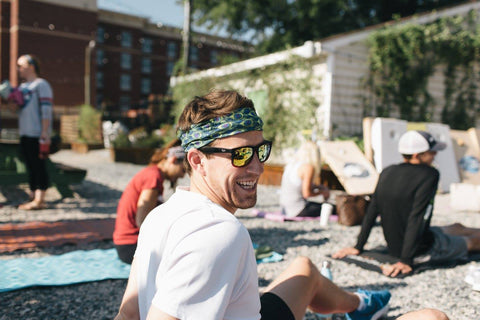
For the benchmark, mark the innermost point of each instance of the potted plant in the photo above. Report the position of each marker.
(135, 147)
(89, 130)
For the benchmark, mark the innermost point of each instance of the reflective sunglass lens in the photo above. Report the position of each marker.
(263, 152)
(242, 156)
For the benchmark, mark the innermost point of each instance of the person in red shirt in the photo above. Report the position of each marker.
(143, 193)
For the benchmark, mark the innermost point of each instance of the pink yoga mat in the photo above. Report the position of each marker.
(278, 216)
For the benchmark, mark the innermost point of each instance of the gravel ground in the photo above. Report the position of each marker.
(97, 197)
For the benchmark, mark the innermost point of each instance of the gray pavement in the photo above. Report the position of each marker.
(98, 195)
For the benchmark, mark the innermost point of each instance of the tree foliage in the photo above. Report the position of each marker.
(289, 86)
(277, 24)
(403, 58)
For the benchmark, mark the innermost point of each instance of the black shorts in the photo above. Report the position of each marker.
(126, 252)
(274, 308)
(313, 209)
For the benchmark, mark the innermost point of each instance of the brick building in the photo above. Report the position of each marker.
(135, 58)
(98, 56)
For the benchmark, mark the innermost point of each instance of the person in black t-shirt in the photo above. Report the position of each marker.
(404, 199)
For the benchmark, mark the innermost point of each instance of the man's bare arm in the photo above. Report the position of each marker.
(129, 306)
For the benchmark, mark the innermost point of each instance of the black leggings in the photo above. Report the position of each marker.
(312, 209)
(125, 252)
(36, 167)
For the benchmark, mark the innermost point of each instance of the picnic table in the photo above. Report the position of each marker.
(13, 170)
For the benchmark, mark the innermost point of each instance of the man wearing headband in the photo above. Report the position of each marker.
(195, 260)
(143, 193)
(404, 199)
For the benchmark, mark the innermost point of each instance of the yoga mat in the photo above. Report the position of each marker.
(265, 254)
(278, 216)
(73, 267)
(48, 234)
(274, 257)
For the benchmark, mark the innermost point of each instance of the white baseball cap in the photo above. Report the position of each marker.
(412, 142)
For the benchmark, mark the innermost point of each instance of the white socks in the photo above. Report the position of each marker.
(362, 304)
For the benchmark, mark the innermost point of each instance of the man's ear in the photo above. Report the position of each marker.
(195, 158)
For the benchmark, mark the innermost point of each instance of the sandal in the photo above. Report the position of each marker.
(33, 205)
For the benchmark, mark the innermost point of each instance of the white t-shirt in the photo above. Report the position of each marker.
(291, 197)
(195, 260)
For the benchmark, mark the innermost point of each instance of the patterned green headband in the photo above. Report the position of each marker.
(201, 134)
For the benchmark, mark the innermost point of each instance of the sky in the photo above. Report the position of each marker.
(165, 11)
(168, 12)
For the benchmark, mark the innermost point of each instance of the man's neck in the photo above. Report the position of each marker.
(31, 78)
(203, 189)
(412, 161)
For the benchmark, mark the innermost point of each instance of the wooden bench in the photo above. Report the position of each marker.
(13, 170)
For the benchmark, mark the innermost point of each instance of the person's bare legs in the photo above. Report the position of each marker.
(301, 285)
(38, 201)
(458, 229)
(471, 235)
(424, 314)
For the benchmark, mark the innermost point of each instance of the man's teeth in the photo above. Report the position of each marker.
(247, 184)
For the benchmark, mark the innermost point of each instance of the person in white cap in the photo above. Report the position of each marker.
(404, 199)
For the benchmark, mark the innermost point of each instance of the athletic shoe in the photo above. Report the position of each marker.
(376, 305)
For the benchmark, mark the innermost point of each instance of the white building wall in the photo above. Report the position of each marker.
(350, 69)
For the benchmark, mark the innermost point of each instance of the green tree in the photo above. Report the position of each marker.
(276, 24)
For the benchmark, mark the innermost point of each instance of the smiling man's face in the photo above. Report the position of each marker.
(229, 186)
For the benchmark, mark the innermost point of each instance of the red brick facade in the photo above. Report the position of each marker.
(131, 58)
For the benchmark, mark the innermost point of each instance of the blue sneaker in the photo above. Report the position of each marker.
(376, 305)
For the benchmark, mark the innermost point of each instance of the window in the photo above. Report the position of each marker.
(193, 53)
(126, 39)
(214, 57)
(125, 82)
(99, 100)
(126, 61)
(171, 50)
(100, 57)
(147, 45)
(169, 68)
(124, 103)
(146, 65)
(99, 79)
(100, 34)
(146, 85)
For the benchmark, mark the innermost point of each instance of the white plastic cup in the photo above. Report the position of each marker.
(327, 209)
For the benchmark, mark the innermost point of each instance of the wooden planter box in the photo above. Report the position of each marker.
(131, 155)
(82, 147)
(272, 175)
(69, 128)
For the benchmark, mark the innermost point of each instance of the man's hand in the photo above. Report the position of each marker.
(392, 270)
(345, 252)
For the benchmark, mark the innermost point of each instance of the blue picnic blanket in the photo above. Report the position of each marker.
(69, 268)
(73, 267)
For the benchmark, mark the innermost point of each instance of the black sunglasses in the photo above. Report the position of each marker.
(242, 156)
